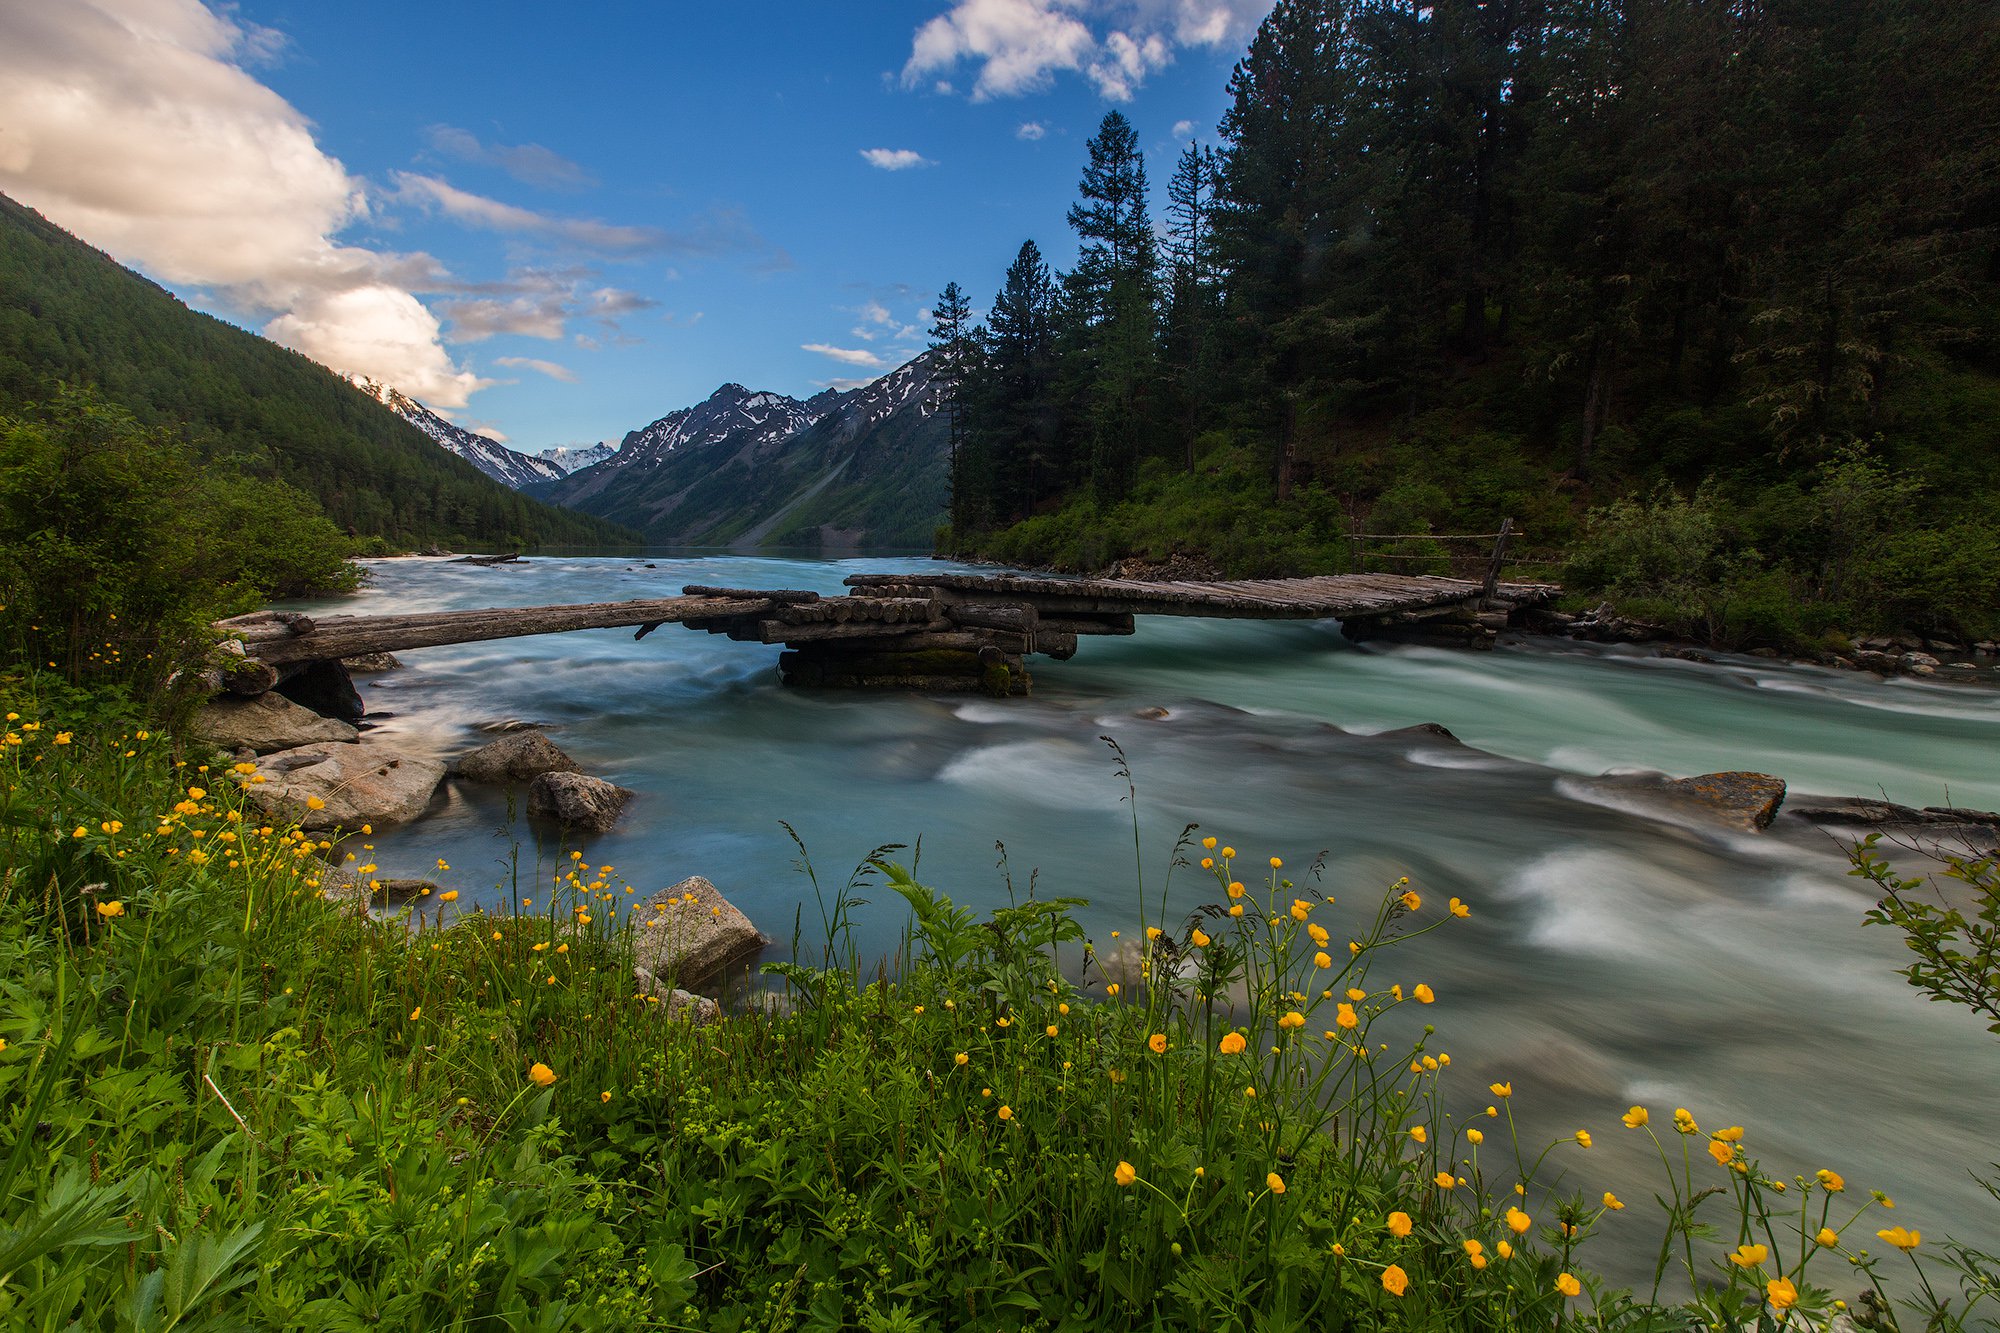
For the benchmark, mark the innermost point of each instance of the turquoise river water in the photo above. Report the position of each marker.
(1611, 958)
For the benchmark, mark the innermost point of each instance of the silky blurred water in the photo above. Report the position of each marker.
(1612, 957)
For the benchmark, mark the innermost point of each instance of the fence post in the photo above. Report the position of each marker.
(1492, 584)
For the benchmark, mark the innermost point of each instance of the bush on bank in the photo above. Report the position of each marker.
(226, 1102)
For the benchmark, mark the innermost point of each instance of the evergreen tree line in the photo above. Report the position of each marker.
(1636, 241)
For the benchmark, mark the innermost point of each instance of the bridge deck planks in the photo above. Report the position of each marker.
(878, 604)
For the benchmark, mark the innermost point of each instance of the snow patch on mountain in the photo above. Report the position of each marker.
(507, 466)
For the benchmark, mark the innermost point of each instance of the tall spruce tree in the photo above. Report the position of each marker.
(1011, 443)
(952, 341)
(1115, 297)
(1193, 292)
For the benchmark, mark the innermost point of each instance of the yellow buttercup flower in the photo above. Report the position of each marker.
(1274, 1183)
(416, 1013)
(1301, 909)
(1781, 1293)
(1830, 1181)
(1684, 1122)
(1613, 1202)
(604, 1096)
(1504, 1249)
(1458, 908)
(1228, 853)
(448, 896)
(1123, 1173)
(1444, 1180)
(1721, 1151)
(1394, 1280)
(1424, 994)
(1419, 1134)
(1902, 1238)
(1399, 1225)
(111, 909)
(1583, 1138)
(1749, 1256)
(1518, 1222)
(1294, 1019)
(1568, 1285)
(1635, 1118)
(960, 1058)
(1199, 940)
(1208, 843)
(1345, 1016)
(1501, 1090)
(1318, 933)
(1320, 960)
(1411, 902)
(541, 1075)
(1475, 1253)
(1232, 1043)
(1005, 1113)
(1827, 1237)
(1157, 1043)
(1474, 1137)
(1236, 888)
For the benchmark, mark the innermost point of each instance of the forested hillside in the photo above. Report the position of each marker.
(1704, 296)
(69, 314)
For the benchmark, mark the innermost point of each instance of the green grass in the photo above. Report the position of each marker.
(226, 1102)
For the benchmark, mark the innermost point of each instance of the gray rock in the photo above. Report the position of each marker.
(371, 662)
(691, 934)
(516, 757)
(577, 801)
(1422, 731)
(1879, 662)
(1912, 660)
(1748, 801)
(679, 1006)
(267, 723)
(355, 784)
(326, 688)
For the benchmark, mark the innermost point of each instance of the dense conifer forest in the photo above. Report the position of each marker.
(71, 316)
(1704, 296)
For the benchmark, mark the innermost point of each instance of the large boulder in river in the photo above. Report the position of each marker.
(355, 784)
(690, 933)
(1748, 801)
(264, 724)
(519, 757)
(576, 801)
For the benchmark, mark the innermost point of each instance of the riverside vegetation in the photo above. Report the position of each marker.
(229, 1102)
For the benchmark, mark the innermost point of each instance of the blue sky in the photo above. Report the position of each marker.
(558, 228)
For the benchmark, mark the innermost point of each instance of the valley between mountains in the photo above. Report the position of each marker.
(747, 469)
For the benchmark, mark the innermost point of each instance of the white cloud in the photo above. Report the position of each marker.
(529, 163)
(1183, 128)
(895, 159)
(476, 210)
(549, 368)
(1021, 44)
(134, 124)
(852, 356)
(1031, 131)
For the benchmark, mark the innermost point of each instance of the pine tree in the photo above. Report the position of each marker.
(1011, 463)
(1193, 289)
(1116, 290)
(952, 340)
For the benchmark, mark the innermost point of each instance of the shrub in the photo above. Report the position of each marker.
(117, 546)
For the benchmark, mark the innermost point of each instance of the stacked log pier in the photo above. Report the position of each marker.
(939, 632)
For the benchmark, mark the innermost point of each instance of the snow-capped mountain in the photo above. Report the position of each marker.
(749, 468)
(576, 457)
(506, 466)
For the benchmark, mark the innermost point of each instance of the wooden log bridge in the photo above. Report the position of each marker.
(966, 632)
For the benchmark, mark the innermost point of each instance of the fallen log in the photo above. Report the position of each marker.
(351, 636)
